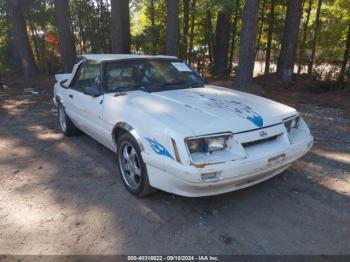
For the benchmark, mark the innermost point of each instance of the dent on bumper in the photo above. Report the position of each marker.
(233, 175)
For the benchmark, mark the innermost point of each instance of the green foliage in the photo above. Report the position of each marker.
(91, 25)
(5, 39)
(335, 17)
(147, 37)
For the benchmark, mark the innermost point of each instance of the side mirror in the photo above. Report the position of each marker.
(62, 83)
(92, 91)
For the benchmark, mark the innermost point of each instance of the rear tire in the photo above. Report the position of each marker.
(65, 124)
(132, 169)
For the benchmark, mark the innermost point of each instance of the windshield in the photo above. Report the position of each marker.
(150, 75)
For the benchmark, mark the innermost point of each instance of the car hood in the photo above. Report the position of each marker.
(211, 109)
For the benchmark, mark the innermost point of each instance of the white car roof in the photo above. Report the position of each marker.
(107, 57)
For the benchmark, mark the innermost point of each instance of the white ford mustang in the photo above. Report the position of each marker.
(173, 131)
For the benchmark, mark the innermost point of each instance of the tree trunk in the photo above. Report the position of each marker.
(108, 30)
(21, 44)
(193, 16)
(186, 11)
(222, 44)
(269, 37)
(65, 35)
(81, 35)
(345, 59)
(153, 30)
(209, 36)
(302, 46)
(261, 26)
(172, 28)
(286, 59)
(35, 40)
(245, 70)
(120, 26)
(314, 39)
(233, 36)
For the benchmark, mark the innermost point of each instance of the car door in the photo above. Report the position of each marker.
(86, 110)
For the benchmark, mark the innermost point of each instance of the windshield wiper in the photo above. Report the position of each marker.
(161, 86)
(187, 84)
(197, 84)
(175, 83)
(129, 88)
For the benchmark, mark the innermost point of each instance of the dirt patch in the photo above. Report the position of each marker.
(63, 195)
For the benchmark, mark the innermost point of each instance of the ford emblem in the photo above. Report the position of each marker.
(263, 134)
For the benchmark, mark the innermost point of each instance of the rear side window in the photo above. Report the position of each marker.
(88, 75)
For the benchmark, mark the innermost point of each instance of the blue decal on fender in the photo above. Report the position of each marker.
(158, 148)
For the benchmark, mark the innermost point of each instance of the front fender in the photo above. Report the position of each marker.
(58, 96)
(153, 131)
(128, 128)
(151, 141)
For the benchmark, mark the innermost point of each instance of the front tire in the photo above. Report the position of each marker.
(132, 169)
(65, 124)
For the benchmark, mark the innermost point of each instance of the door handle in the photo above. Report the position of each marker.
(71, 96)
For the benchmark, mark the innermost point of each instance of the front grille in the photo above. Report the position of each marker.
(260, 141)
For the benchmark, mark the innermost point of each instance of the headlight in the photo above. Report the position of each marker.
(217, 143)
(292, 123)
(207, 144)
(195, 145)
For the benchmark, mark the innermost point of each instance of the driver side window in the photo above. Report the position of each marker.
(121, 75)
(88, 76)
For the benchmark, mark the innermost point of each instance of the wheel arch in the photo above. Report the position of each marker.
(121, 128)
(59, 100)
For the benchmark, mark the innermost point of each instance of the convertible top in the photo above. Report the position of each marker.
(104, 57)
(108, 57)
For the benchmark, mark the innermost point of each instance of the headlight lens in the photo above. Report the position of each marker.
(292, 123)
(216, 143)
(207, 144)
(195, 145)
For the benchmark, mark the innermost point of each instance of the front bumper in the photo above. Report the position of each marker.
(234, 175)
